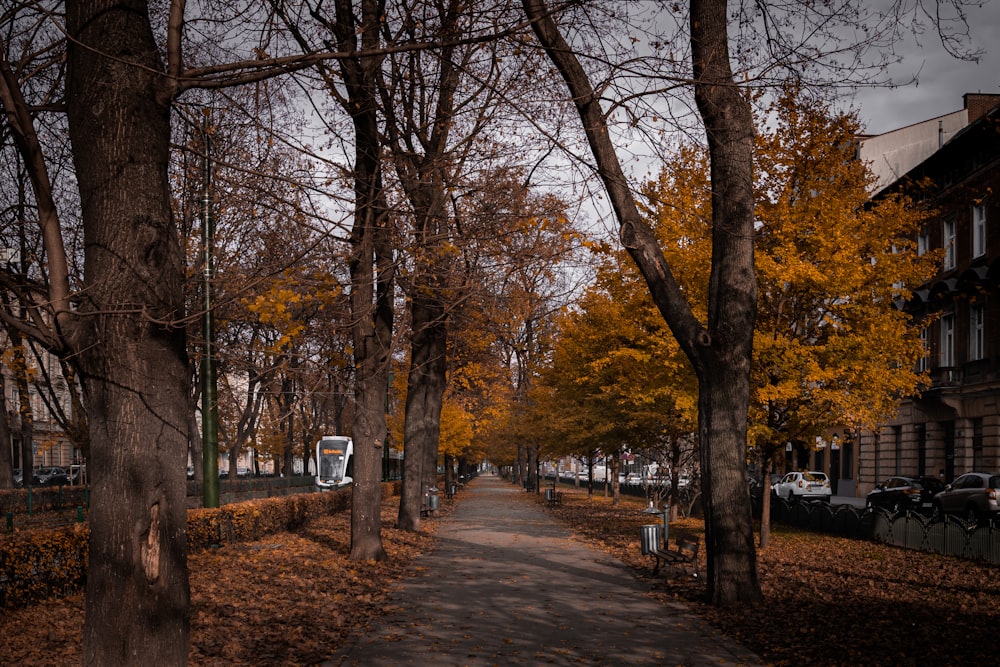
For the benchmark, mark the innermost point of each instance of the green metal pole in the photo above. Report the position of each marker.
(209, 383)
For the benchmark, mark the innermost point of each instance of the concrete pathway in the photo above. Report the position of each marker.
(506, 585)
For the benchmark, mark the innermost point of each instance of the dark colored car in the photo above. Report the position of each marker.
(51, 476)
(974, 496)
(900, 494)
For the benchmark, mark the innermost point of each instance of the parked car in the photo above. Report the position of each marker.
(974, 496)
(51, 476)
(900, 494)
(18, 477)
(804, 485)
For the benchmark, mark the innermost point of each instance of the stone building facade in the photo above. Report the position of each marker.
(954, 426)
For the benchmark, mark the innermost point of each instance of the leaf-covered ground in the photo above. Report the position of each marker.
(289, 599)
(828, 600)
(292, 599)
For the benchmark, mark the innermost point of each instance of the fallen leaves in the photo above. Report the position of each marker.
(287, 599)
(294, 598)
(828, 600)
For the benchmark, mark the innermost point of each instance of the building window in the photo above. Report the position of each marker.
(948, 243)
(977, 339)
(947, 358)
(923, 242)
(922, 362)
(978, 230)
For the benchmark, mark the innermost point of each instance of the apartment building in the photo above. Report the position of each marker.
(953, 426)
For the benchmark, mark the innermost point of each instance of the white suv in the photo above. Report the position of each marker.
(808, 485)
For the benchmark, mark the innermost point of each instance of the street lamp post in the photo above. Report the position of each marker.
(209, 382)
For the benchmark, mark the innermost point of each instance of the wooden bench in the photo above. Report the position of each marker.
(686, 553)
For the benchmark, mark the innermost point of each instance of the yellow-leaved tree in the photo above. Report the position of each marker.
(830, 346)
(617, 380)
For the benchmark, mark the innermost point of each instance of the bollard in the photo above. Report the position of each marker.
(10, 521)
(79, 514)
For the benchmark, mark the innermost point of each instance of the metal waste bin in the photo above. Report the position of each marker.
(550, 494)
(649, 538)
(433, 501)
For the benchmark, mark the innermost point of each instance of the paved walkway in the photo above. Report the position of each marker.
(506, 585)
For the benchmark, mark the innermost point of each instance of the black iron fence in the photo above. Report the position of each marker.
(946, 535)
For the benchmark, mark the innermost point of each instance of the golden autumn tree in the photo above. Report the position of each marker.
(617, 380)
(830, 346)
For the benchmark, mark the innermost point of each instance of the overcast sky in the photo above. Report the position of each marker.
(942, 79)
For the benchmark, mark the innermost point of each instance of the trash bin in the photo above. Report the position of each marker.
(550, 494)
(433, 501)
(649, 538)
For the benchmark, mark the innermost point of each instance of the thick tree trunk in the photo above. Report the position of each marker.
(424, 396)
(130, 347)
(724, 379)
(372, 276)
(720, 355)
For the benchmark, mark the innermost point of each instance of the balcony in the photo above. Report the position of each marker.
(946, 376)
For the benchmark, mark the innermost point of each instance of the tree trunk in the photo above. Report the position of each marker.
(613, 469)
(371, 267)
(532, 468)
(26, 421)
(6, 453)
(130, 349)
(765, 506)
(720, 355)
(724, 379)
(424, 396)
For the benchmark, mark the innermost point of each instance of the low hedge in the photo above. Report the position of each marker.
(252, 519)
(38, 564)
(41, 564)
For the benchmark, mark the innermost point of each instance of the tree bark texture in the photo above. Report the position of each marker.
(724, 382)
(721, 354)
(130, 351)
(424, 176)
(371, 267)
